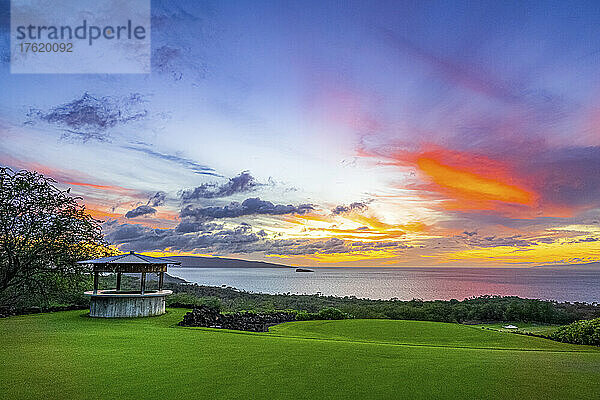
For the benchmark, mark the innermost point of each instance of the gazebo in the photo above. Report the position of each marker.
(114, 303)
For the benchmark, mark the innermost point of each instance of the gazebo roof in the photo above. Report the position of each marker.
(130, 258)
(130, 262)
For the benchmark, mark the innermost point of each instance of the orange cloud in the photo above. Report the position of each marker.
(110, 188)
(301, 219)
(67, 177)
(468, 181)
(101, 214)
(467, 185)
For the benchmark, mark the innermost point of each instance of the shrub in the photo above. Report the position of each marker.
(331, 313)
(580, 332)
(325, 313)
(305, 316)
(187, 300)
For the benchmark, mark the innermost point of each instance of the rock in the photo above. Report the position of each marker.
(243, 321)
(6, 311)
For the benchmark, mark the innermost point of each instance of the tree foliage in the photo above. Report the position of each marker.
(580, 332)
(43, 232)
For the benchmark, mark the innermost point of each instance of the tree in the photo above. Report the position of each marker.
(43, 232)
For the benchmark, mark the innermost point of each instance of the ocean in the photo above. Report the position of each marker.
(407, 283)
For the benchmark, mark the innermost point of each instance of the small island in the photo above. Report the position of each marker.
(304, 270)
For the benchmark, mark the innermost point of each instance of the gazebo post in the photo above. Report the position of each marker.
(161, 278)
(96, 273)
(143, 283)
(118, 281)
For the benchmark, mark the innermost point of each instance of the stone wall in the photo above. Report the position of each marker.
(243, 321)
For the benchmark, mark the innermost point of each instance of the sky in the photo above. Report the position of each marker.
(325, 133)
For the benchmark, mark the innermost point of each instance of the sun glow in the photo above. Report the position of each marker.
(563, 251)
(352, 226)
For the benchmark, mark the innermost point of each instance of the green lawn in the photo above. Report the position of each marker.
(69, 356)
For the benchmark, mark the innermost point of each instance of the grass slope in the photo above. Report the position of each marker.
(417, 333)
(67, 355)
(536, 329)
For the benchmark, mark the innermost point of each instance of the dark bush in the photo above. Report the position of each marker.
(187, 300)
(305, 316)
(580, 332)
(331, 313)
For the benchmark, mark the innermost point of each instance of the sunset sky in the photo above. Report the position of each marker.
(333, 133)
